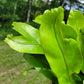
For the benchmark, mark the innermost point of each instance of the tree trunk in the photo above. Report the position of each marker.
(63, 3)
(14, 12)
(47, 2)
(29, 11)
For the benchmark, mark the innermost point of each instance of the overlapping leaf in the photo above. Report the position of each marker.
(40, 63)
(60, 49)
(28, 43)
(62, 44)
(27, 31)
(76, 20)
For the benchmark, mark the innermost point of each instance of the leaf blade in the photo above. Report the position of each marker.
(52, 38)
(27, 31)
(40, 63)
(21, 44)
(78, 18)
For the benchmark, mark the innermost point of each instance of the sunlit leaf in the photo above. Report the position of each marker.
(21, 44)
(59, 51)
(76, 20)
(27, 31)
(60, 46)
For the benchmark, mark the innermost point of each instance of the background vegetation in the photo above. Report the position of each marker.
(12, 64)
(27, 10)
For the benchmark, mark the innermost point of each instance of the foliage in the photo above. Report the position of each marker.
(6, 29)
(58, 47)
(17, 10)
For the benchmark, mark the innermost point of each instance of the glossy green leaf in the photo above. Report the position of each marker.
(82, 48)
(60, 51)
(36, 60)
(62, 45)
(21, 44)
(27, 31)
(76, 20)
(68, 32)
(41, 64)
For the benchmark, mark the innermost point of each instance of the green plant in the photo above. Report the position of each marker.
(56, 49)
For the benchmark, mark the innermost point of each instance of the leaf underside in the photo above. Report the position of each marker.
(40, 63)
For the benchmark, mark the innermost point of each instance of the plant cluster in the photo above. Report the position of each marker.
(56, 49)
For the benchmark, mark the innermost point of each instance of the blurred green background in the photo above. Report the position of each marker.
(12, 64)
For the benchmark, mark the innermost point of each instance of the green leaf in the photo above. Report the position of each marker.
(76, 20)
(41, 64)
(21, 44)
(36, 60)
(68, 32)
(38, 19)
(60, 52)
(82, 48)
(62, 44)
(27, 31)
(49, 74)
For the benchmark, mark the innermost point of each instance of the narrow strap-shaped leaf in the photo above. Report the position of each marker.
(41, 64)
(48, 43)
(21, 44)
(59, 51)
(27, 31)
(36, 60)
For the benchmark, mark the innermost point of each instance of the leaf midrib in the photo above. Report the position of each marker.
(25, 43)
(61, 52)
(26, 33)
